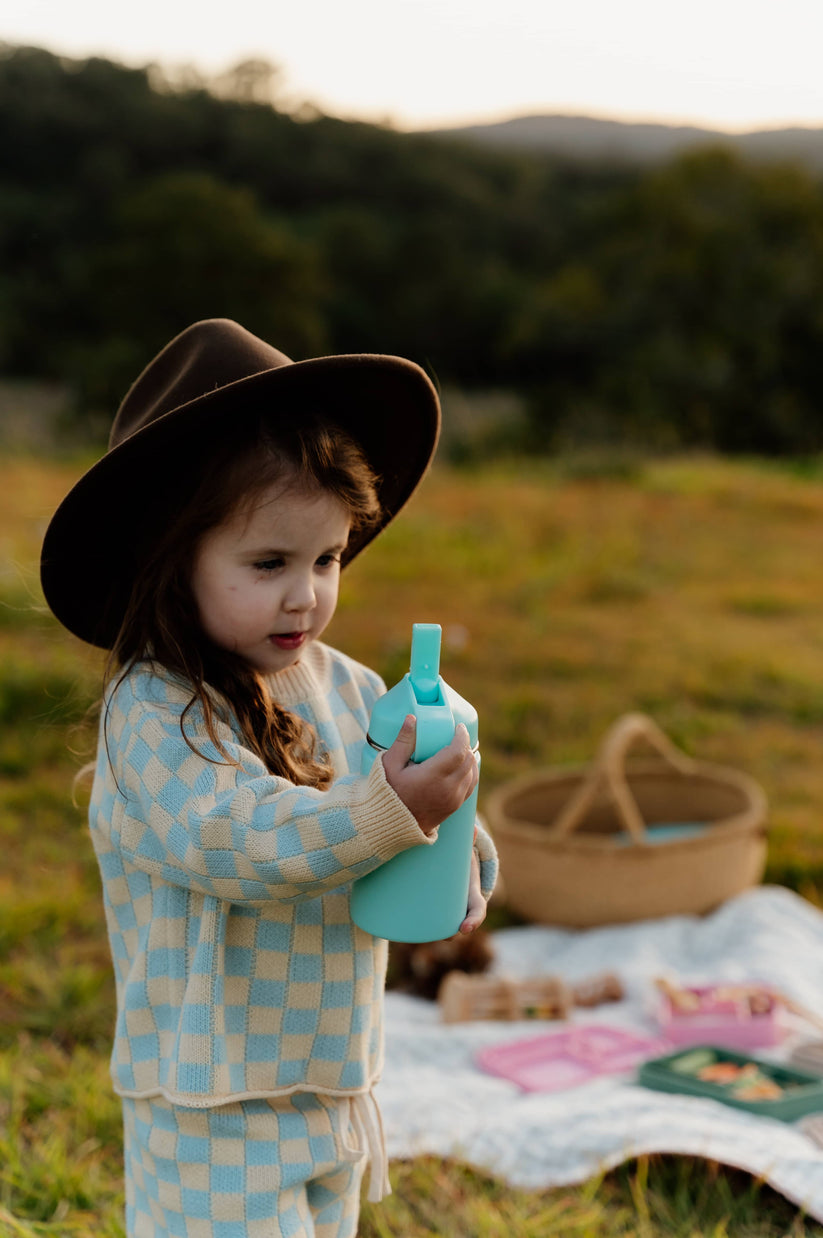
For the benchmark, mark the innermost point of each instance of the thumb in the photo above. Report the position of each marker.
(401, 751)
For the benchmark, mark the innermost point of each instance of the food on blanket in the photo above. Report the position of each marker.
(597, 990)
(465, 997)
(685, 1002)
(720, 1072)
(543, 1011)
(760, 1001)
(745, 1080)
(739, 1015)
(759, 1089)
(752, 1083)
(754, 999)
(682, 1000)
(741, 1000)
(691, 1063)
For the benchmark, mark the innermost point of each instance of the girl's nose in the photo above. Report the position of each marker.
(300, 596)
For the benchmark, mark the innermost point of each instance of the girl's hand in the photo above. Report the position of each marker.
(476, 912)
(433, 789)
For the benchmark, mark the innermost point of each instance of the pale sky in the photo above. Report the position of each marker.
(731, 64)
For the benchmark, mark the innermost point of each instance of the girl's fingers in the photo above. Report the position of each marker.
(401, 750)
(476, 911)
(475, 915)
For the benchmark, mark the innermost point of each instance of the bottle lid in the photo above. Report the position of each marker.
(422, 692)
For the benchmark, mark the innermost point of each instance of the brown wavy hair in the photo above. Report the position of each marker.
(162, 624)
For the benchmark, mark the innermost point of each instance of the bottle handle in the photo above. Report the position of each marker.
(424, 663)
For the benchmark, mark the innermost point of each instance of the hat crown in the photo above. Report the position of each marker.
(208, 355)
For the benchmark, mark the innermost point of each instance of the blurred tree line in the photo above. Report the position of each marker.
(674, 306)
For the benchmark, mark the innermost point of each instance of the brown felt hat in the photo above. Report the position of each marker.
(187, 402)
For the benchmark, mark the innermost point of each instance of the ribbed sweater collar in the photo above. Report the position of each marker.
(306, 680)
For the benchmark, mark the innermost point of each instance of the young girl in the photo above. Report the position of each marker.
(228, 815)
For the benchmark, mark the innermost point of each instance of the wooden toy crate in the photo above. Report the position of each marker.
(462, 997)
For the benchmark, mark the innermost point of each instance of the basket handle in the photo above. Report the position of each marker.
(608, 773)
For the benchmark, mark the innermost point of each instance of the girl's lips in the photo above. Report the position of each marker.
(288, 640)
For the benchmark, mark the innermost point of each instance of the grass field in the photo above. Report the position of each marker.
(569, 593)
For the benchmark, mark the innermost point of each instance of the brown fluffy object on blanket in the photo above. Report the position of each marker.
(419, 969)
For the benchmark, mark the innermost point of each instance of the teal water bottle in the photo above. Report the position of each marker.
(422, 893)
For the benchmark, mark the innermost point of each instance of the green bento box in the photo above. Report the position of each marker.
(737, 1079)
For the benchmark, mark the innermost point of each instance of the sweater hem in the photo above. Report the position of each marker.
(188, 1101)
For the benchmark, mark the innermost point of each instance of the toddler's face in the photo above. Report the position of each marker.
(265, 582)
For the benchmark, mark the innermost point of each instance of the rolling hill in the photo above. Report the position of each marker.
(589, 137)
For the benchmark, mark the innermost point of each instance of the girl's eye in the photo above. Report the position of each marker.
(327, 560)
(268, 565)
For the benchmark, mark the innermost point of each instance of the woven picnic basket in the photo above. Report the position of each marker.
(579, 847)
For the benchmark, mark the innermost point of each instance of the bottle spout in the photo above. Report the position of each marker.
(424, 672)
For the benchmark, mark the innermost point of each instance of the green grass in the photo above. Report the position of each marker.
(569, 592)
(659, 1198)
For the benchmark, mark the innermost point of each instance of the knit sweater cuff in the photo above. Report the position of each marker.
(384, 818)
(487, 856)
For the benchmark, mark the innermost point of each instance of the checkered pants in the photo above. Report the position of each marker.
(285, 1167)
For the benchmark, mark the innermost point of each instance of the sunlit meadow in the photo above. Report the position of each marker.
(569, 592)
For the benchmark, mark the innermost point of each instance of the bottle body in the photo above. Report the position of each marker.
(421, 894)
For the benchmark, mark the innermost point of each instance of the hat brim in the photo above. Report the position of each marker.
(387, 404)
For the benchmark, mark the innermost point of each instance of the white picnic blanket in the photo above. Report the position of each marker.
(435, 1100)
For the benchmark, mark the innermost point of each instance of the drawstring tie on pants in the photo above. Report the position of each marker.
(367, 1125)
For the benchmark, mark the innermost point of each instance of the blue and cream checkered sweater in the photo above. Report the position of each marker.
(238, 968)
